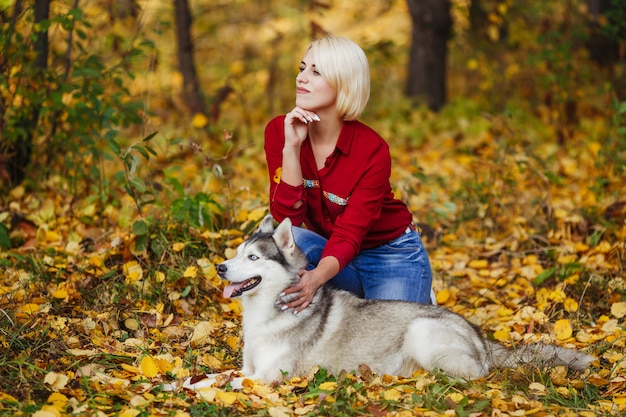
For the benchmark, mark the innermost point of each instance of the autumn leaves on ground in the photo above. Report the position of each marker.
(96, 317)
(108, 288)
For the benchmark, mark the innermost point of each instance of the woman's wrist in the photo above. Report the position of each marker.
(326, 269)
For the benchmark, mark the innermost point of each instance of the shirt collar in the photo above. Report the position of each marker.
(346, 137)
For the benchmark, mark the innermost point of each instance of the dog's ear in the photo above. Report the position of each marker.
(283, 236)
(267, 225)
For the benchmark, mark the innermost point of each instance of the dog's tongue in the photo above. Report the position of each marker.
(230, 289)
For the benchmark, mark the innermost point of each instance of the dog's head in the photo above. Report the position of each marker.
(269, 259)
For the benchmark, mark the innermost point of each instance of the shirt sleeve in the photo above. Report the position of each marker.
(283, 196)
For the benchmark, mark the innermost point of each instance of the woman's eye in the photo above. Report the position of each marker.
(301, 69)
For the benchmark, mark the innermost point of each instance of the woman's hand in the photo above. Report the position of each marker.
(300, 295)
(296, 125)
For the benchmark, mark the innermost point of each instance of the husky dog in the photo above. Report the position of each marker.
(340, 331)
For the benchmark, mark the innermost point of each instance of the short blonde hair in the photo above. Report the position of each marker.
(344, 65)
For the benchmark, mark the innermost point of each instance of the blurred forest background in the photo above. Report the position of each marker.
(82, 81)
(131, 163)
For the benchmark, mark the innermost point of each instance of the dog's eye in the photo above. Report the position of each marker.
(253, 257)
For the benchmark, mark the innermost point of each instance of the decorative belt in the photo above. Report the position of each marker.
(410, 228)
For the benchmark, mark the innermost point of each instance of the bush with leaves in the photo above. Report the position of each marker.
(60, 118)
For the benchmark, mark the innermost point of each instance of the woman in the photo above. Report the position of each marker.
(331, 172)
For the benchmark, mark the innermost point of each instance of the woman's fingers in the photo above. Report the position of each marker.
(302, 115)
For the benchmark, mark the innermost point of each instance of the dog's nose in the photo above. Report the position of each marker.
(221, 269)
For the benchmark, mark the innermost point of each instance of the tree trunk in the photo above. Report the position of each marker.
(192, 93)
(432, 24)
(603, 49)
(20, 150)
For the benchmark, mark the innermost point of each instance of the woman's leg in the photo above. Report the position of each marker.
(397, 270)
(312, 245)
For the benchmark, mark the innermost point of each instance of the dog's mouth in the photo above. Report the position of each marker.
(237, 288)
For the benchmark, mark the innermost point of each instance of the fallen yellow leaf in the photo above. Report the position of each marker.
(211, 361)
(190, 272)
(59, 294)
(502, 335)
(159, 276)
(129, 412)
(149, 366)
(570, 305)
(47, 411)
(165, 365)
(443, 296)
(619, 309)
(478, 264)
(563, 329)
(201, 334)
(4, 397)
(328, 386)
(227, 397)
(133, 272)
(58, 400)
(232, 341)
(392, 394)
(130, 368)
(29, 308)
(55, 380)
(537, 388)
(456, 397)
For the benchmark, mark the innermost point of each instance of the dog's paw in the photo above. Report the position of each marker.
(213, 381)
(195, 383)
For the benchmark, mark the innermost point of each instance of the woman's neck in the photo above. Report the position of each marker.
(326, 131)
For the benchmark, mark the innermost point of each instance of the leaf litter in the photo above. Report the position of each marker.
(99, 329)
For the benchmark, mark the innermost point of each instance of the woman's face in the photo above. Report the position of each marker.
(312, 91)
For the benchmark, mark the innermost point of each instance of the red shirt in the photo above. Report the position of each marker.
(349, 201)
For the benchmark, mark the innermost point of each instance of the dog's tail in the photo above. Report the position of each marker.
(537, 354)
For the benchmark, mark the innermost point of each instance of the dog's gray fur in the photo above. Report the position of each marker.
(339, 331)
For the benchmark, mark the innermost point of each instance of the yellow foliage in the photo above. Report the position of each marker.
(232, 341)
(392, 394)
(199, 121)
(478, 264)
(133, 272)
(502, 335)
(563, 329)
(328, 386)
(60, 294)
(30, 308)
(226, 397)
(55, 380)
(443, 296)
(149, 366)
(570, 305)
(190, 272)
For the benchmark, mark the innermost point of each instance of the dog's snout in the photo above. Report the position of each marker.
(221, 269)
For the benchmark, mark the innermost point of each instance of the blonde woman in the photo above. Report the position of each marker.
(330, 173)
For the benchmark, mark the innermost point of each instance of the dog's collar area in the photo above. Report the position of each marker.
(235, 289)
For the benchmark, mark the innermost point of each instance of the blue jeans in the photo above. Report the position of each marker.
(397, 270)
